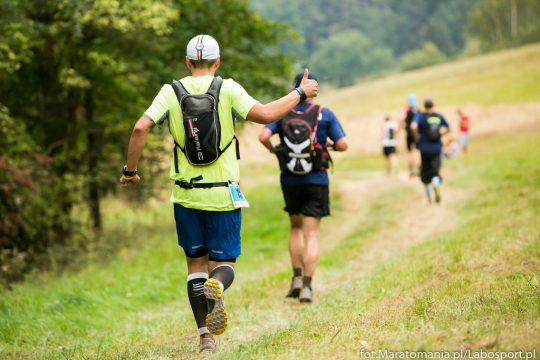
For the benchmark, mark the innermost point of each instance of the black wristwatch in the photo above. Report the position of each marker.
(302, 93)
(127, 172)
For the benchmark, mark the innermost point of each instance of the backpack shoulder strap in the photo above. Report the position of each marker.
(215, 88)
(318, 110)
(179, 89)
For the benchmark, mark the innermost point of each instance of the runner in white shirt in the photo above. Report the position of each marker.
(389, 131)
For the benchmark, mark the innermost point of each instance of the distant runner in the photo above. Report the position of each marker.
(464, 125)
(412, 154)
(390, 130)
(429, 127)
(205, 171)
(305, 134)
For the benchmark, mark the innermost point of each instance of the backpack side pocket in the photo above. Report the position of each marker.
(282, 153)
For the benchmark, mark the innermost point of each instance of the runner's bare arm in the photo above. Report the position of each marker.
(264, 138)
(136, 144)
(414, 128)
(275, 110)
(341, 145)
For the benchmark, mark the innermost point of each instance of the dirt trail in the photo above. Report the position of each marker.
(393, 240)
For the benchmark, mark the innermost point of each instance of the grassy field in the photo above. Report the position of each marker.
(506, 77)
(473, 286)
(394, 273)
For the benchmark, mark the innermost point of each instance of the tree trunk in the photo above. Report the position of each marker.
(92, 151)
(513, 19)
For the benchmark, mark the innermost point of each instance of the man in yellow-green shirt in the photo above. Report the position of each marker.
(208, 221)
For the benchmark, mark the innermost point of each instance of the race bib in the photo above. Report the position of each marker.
(238, 199)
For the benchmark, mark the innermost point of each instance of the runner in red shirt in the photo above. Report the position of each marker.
(463, 131)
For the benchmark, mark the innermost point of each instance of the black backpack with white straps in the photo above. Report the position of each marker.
(300, 153)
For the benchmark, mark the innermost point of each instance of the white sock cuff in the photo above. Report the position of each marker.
(232, 267)
(197, 275)
(203, 330)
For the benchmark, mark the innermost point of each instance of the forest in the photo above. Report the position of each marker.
(347, 40)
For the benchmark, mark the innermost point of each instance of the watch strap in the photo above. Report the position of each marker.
(127, 172)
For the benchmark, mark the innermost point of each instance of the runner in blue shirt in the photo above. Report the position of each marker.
(306, 195)
(429, 127)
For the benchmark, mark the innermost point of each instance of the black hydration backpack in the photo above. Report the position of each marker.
(300, 153)
(201, 124)
(434, 123)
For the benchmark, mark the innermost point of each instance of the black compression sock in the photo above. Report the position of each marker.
(196, 297)
(224, 274)
(297, 272)
(307, 281)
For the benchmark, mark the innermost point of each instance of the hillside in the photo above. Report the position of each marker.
(487, 87)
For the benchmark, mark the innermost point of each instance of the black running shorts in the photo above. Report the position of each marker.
(431, 164)
(307, 200)
(389, 150)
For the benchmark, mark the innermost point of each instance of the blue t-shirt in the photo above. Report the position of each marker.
(329, 127)
(426, 145)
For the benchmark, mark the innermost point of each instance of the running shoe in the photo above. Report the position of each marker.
(216, 320)
(306, 295)
(296, 286)
(207, 343)
(437, 194)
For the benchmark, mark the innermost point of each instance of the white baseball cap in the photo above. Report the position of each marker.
(202, 47)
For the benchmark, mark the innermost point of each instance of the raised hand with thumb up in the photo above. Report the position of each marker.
(310, 86)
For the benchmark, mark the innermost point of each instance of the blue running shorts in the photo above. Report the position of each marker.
(202, 232)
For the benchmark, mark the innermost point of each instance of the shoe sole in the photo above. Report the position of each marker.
(216, 320)
(305, 300)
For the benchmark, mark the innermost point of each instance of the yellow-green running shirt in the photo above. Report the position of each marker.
(226, 168)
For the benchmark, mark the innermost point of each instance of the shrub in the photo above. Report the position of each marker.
(428, 55)
(31, 200)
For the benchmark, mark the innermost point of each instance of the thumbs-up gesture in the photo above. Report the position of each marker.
(310, 86)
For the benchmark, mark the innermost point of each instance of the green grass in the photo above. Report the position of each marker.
(475, 285)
